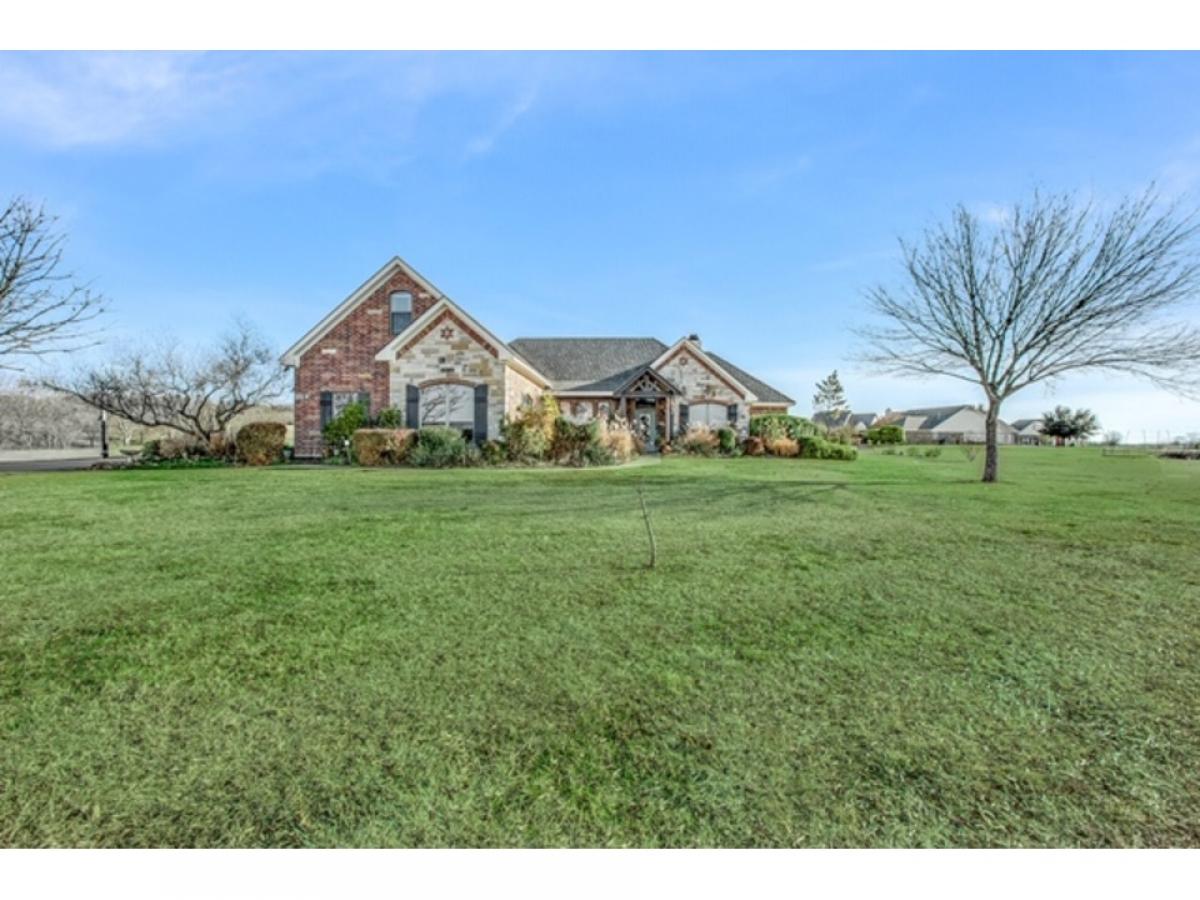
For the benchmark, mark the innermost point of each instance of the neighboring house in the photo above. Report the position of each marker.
(398, 341)
(963, 424)
(1028, 431)
(859, 423)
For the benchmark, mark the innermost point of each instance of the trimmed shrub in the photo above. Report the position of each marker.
(700, 440)
(933, 451)
(341, 427)
(820, 448)
(727, 439)
(438, 448)
(885, 434)
(782, 446)
(753, 446)
(776, 425)
(261, 443)
(381, 446)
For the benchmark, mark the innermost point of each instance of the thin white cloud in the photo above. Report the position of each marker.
(773, 175)
(82, 99)
(483, 144)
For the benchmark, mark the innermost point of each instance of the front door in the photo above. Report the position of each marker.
(646, 417)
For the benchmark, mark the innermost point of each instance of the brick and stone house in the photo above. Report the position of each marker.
(398, 341)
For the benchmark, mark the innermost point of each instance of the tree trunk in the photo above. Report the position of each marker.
(992, 451)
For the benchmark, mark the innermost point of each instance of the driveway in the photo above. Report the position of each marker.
(49, 460)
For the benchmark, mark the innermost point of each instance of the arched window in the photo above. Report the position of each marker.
(448, 405)
(401, 304)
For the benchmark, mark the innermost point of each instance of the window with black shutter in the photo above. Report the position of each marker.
(481, 402)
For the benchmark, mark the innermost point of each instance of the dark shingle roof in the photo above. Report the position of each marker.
(766, 393)
(831, 421)
(605, 364)
(588, 364)
(1024, 423)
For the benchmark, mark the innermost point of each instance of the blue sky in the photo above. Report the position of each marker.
(747, 197)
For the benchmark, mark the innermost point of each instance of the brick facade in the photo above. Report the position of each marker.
(343, 359)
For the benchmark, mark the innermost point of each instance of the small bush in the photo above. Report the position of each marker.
(529, 434)
(381, 446)
(843, 434)
(727, 439)
(492, 453)
(261, 443)
(933, 451)
(700, 440)
(341, 427)
(389, 418)
(782, 446)
(885, 434)
(753, 446)
(575, 444)
(172, 449)
(438, 448)
(220, 446)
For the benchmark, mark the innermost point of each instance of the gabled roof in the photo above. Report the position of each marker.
(446, 306)
(694, 348)
(764, 392)
(1022, 424)
(930, 418)
(292, 355)
(655, 375)
(848, 418)
(589, 365)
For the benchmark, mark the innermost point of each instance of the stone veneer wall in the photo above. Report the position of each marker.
(344, 360)
(700, 384)
(517, 388)
(448, 350)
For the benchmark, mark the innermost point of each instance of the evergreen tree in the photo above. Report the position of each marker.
(1063, 424)
(830, 397)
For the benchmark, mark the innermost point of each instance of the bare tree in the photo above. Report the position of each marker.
(42, 309)
(1056, 287)
(168, 388)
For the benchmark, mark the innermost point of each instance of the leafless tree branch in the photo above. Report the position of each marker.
(1058, 287)
(166, 387)
(42, 309)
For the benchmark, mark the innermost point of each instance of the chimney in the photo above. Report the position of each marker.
(695, 339)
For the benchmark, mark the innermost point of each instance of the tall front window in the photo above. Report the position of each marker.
(448, 405)
(401, 302)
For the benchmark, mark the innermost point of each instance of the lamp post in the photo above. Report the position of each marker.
(103, 434)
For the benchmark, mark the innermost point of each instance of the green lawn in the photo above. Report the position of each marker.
(880, 653)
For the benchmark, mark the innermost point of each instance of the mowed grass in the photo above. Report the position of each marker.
(880, 653)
